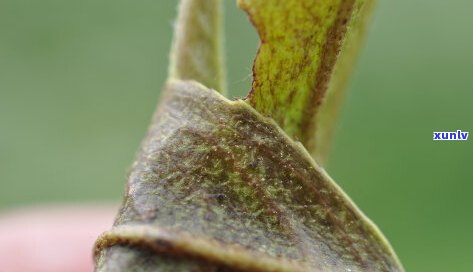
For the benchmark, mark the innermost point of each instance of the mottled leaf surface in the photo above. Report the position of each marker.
(218, 187)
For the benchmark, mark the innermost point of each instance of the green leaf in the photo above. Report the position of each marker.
(197, 51)
(302, 44)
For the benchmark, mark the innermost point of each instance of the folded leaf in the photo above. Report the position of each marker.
(218, 187)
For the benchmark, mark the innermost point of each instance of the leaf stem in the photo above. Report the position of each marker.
(197, 50)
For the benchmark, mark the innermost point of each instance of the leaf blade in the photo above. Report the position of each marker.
(301, 42)
(214, 176)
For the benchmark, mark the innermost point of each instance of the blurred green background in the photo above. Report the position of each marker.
(79, 81)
